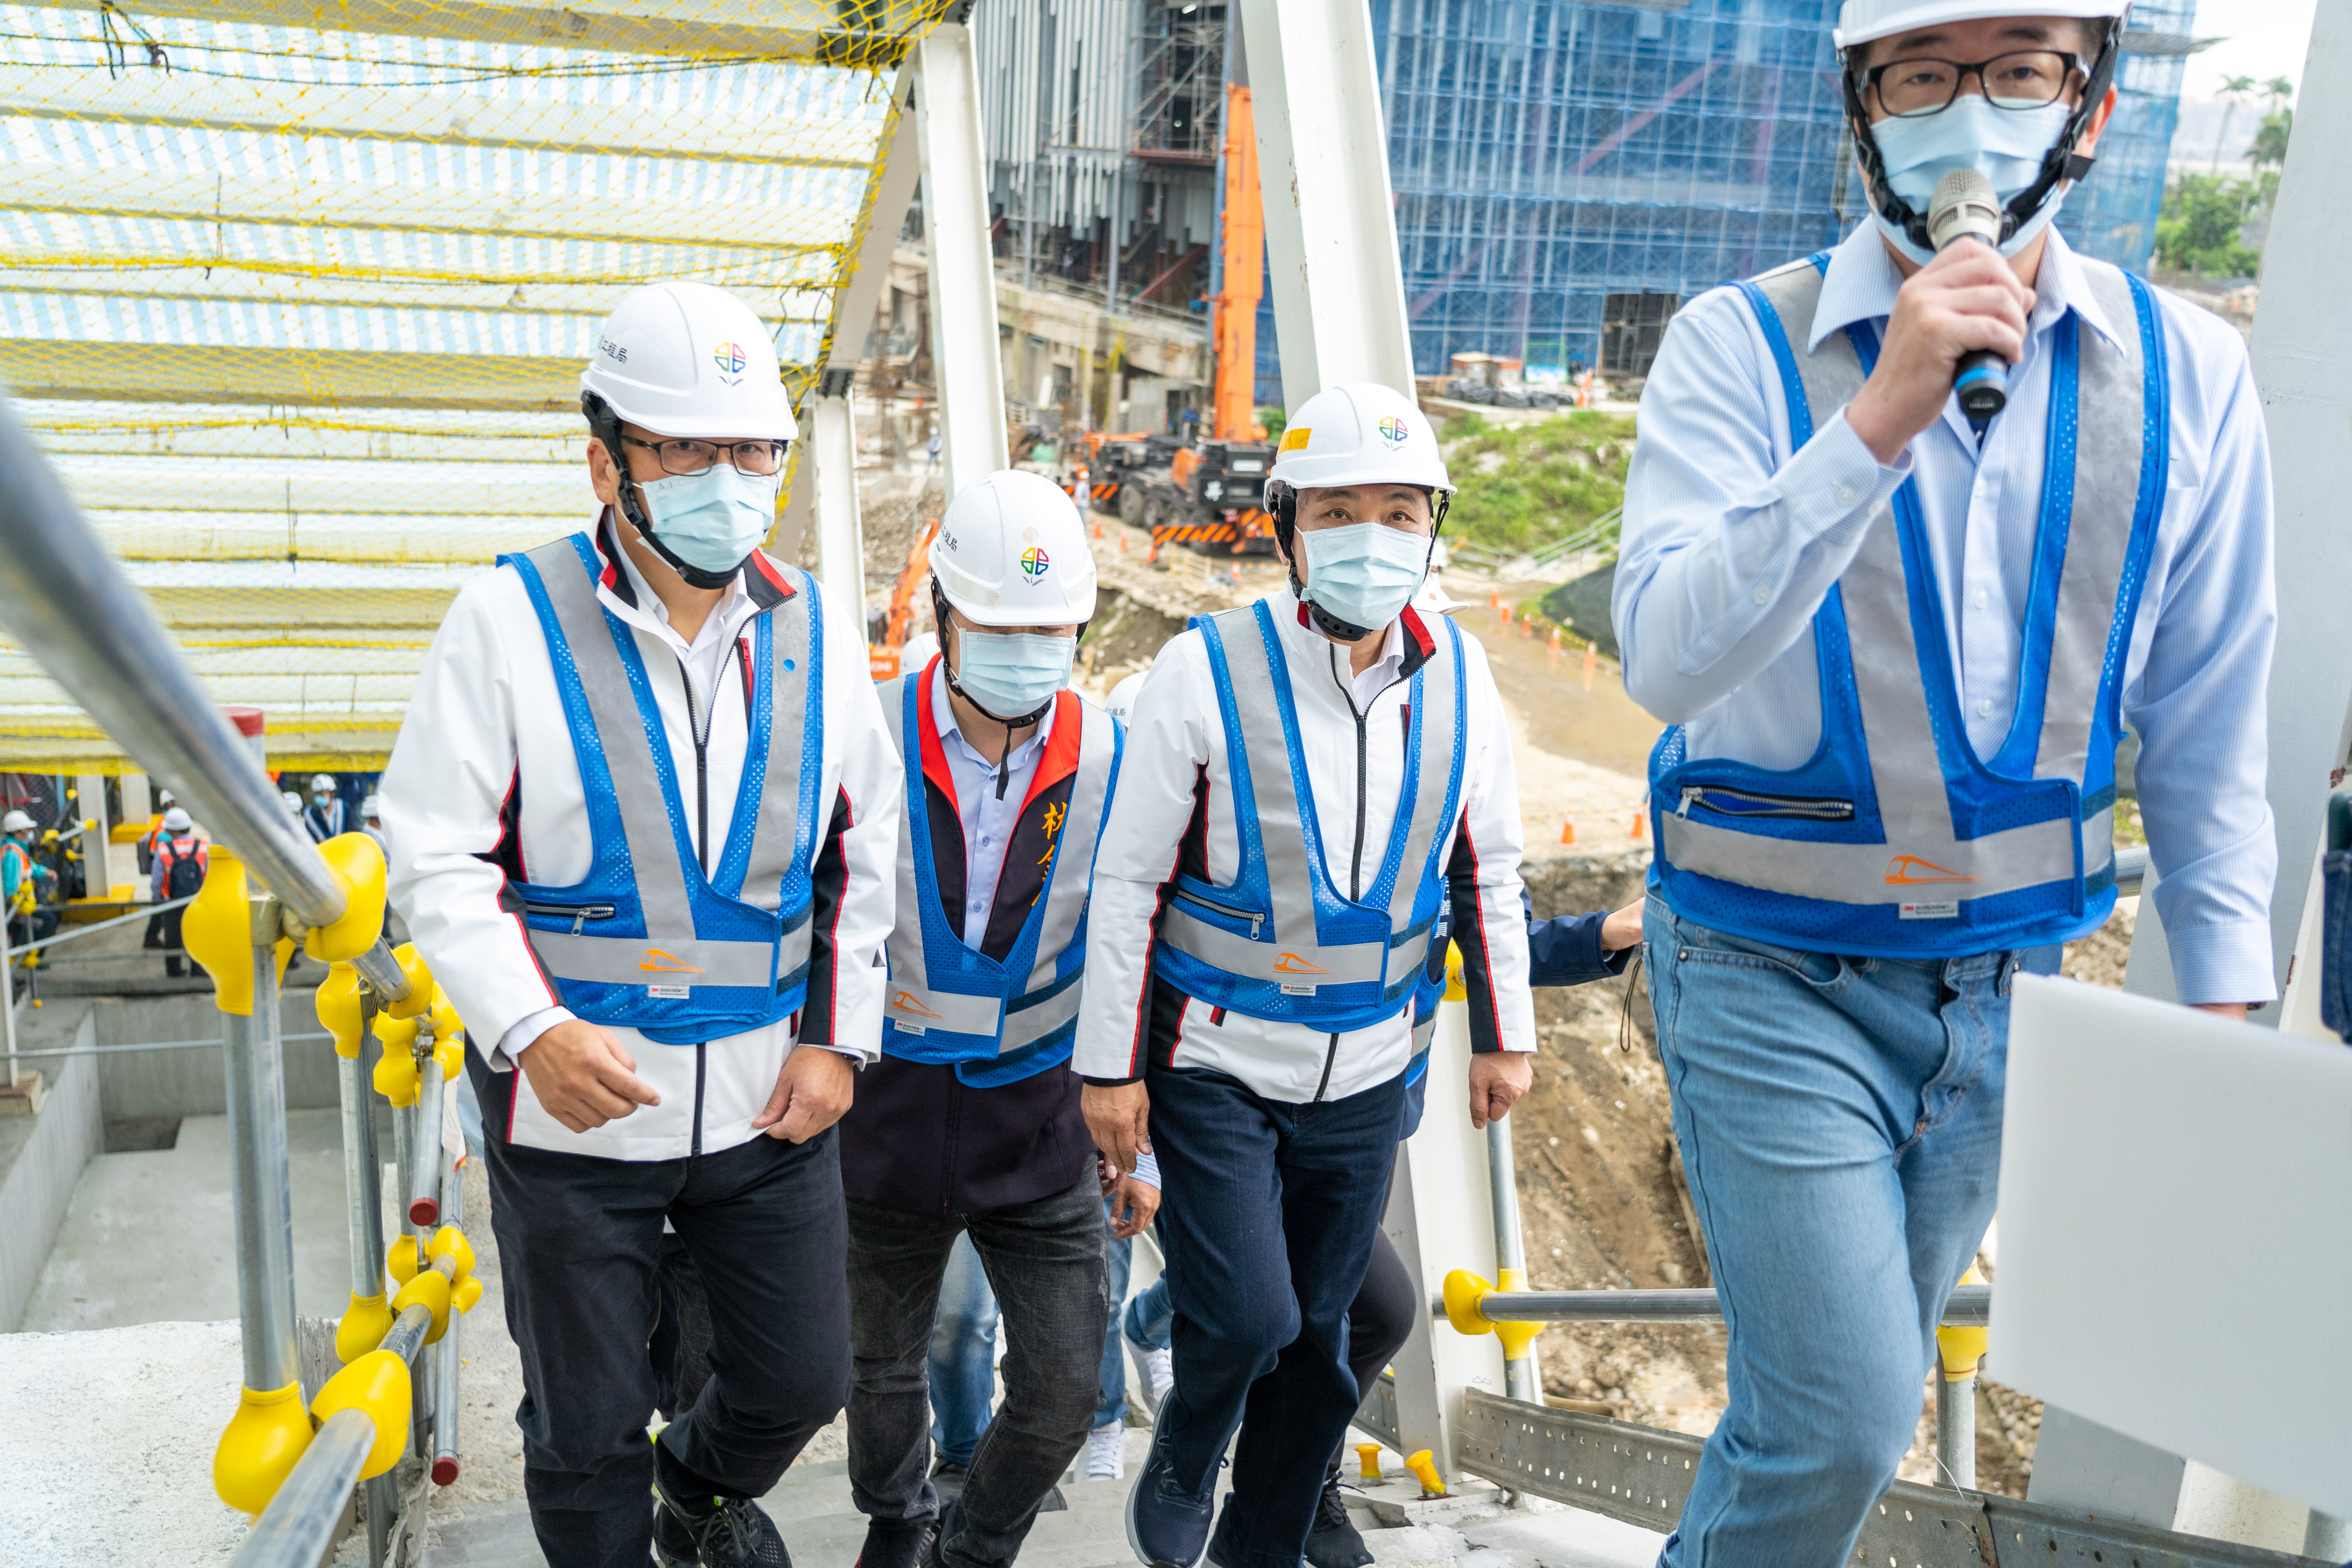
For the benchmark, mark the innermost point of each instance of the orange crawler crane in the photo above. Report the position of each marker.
(1211, 494)
(882, 659)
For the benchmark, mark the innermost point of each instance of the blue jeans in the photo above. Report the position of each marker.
(1840, 1122)
(962, 1355)
(1150, 1316)
(1118, 1257)
(1268, 1215)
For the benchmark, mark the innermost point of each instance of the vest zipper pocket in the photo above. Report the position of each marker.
(1750, 803)
(581, 913)
(1256, 919)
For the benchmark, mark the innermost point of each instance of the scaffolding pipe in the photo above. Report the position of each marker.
(1956, 1428)
(1969, 1306)
(421, 1176)
(260, 1184)
(445, 1359)
(362, 1174)
(297, 1529)
(1519, 1379)
(70, 604)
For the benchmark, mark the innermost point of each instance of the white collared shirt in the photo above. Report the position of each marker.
(988, 817)
(1731, 541)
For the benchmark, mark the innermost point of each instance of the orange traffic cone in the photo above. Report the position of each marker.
(1151, 556)
(1568, 829)
(1122, 543)
(1640, 824)
(1097, 530)
(1235, 573)
(1493, 599)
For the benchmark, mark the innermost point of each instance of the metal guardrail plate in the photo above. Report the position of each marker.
(1643, 1476)
(1378, 1413)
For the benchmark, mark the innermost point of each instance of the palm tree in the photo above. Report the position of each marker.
(2234, 90)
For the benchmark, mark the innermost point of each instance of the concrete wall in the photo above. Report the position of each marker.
(189, 1082)
(39, 1181)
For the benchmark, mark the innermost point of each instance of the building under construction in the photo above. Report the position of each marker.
(1566, 172)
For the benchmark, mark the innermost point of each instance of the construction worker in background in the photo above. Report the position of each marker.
(641, 816)
(970, 1124)
(163, 803)
(1258, 947)
(371, 818)
(324, 815)
(1897, 644)
(293, 804)
(181, 858)
(21, 878)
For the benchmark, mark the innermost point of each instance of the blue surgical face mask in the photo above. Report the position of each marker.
(1012, 674)
(712, 519)
(1364, 573)
(2007, 146)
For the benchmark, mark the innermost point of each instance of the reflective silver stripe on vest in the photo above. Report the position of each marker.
(1293, 956)
(913, 1001)
(670, 954)
(775, 836)
(1888, 681)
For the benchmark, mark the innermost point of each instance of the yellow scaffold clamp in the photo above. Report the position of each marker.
(258, 1448)
(1961, 1349)
(1465, 1304)
(358, 863)
(218, 931)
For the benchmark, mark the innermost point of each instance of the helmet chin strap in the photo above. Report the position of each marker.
(605, 427)
(1285, 533)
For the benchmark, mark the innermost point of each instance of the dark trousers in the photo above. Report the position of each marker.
(1268, 1213)
(580, 1245)
(1044, 1261)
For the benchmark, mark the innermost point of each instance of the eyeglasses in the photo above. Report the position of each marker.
(2031, 78)
(687, 457)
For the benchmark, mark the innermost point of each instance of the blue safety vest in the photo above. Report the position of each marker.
(1282, 941)
(646, 939)
(996, 1021)
(1895, 839)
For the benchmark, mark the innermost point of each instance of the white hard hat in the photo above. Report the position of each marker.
(1359, 433)
(178, 821)
(1011, 552)
(322, 781)
(1121, 701)
(688, 359)
(293, 802)
(1861, 21)
(15, 823)
(164, 797)
(371, 807)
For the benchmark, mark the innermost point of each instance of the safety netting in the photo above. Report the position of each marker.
(296, 295)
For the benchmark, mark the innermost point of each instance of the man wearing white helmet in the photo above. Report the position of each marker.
(21, 877)
(1317, 788)
(324, 815)
(1898, 644)
(970, 1124)
(181, 858)
(640, 819)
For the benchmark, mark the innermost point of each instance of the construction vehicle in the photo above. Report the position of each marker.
(1209, 492)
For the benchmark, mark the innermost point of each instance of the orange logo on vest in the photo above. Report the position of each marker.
(905, 1002)
(1910, 871)
(1292, 963)
(658, 962)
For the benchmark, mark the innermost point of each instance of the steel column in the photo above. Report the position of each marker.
(1955, 1429)
(258, 1170)
(966, 367)
(831, 458)
(1330, 225)
(1521, 1379)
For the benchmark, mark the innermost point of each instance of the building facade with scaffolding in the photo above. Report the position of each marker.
(1566, 171)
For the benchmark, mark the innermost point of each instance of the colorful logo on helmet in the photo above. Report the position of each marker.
(1395, 429)
(1034, 561)
(730, 358)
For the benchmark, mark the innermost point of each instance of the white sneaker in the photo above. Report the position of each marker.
(1106, 1457)
(1157, 1369)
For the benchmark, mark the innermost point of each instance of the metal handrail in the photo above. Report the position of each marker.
(144, 912)
(73, 607)
(1969, 1306)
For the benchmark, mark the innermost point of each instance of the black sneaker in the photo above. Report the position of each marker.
(1166, 1527)
(898, 1542)
(1334, 1542)
(737, 1533)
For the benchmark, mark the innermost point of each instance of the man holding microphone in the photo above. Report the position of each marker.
(1898, 635)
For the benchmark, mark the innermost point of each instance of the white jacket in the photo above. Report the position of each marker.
(1174, 799)
(483, 779)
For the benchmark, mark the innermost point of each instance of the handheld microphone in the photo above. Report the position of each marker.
(1963, 206)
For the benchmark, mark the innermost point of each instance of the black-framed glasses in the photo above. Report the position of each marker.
(2027, 78)
(684, 458)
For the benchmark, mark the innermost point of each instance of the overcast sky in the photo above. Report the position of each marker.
(2262, 39)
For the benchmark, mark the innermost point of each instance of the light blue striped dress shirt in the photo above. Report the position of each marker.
(1731, 541)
